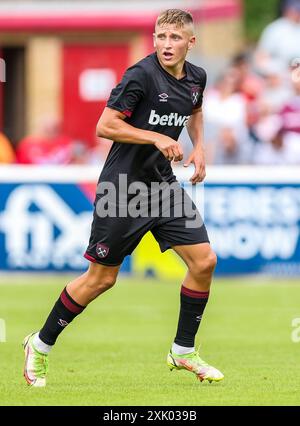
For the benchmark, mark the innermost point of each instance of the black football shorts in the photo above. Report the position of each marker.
(113, 238)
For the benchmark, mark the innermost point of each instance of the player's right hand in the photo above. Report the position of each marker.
(170, 148)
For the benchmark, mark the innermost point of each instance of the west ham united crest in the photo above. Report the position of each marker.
(195, 94)
(102, 250)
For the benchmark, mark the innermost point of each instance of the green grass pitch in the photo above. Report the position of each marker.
(115, 352)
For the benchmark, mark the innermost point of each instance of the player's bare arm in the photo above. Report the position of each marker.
(195, 131)
(111, 125)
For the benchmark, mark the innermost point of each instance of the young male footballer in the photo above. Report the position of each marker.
(144, 117)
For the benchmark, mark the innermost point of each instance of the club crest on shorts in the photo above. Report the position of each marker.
(195, 94)
(102, 250)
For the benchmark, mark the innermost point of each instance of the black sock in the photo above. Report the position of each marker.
(63, 312)
(192, 305)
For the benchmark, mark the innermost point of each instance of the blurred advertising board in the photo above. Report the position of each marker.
(252, 215)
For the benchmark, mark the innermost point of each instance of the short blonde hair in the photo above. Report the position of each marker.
(177, 17)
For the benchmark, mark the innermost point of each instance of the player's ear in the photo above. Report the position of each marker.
(192, 42)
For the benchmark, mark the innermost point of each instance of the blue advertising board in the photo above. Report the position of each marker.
(45, 227)
(253, 224)
(254, 228)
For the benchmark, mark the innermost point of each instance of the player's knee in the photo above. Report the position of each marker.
(102, 283)
(213, 259)
(210, 262)
(204, 266)
(107, 283)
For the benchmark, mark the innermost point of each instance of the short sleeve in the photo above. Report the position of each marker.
(202, 85)
(128, 93)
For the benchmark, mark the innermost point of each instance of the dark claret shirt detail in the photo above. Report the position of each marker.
(152, 99)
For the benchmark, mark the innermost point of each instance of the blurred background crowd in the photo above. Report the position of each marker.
(251, 106)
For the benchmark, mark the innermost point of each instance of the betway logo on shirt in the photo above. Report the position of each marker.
(173, 119)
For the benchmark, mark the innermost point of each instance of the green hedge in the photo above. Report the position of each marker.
(258, 13)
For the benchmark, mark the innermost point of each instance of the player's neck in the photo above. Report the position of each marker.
(176, 71)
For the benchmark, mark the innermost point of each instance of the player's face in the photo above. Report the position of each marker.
(172, 44)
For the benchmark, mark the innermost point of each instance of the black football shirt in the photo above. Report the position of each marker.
(152, 99)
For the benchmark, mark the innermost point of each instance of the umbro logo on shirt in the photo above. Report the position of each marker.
(163, 97)
(173, 119)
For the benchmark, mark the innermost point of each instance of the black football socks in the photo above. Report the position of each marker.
(192, 305)
(63, 312)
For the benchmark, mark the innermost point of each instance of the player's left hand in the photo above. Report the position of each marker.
(198, 159)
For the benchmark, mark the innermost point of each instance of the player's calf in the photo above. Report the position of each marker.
(71, 302)
(98, 279)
